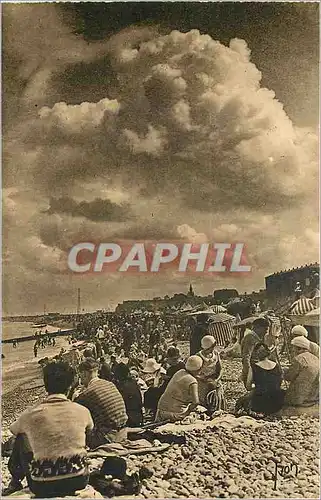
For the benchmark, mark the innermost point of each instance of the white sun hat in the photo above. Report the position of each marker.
(194, 363)
(301, 342)
(299, 331)
(151, 366)
(208, 341)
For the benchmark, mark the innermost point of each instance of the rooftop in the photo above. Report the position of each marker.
(312, 265)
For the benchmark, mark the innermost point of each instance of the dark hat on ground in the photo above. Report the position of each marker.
(114, 466)
(88, 364)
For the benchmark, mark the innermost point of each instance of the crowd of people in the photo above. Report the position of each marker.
(42, 341)
(127, 371)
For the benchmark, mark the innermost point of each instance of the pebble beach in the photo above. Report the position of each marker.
(223, 462)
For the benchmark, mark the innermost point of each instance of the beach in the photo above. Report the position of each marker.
(243, 460)
(19, 367)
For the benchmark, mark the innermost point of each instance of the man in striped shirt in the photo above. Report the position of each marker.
(105, 404)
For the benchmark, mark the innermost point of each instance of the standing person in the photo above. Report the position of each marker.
(128, 338)
(130, 391)
(105, 404)
(91, 347)
(181, 395)
(210, 387)
(113, 363)
(303, 375)
(35, 349)
(298, 290)
(154, 341)
(49, 448)
(259, 329)
(199, 330)
(99, 349)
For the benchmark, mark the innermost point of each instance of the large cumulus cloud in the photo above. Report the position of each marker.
(190, 112)
(192, 144)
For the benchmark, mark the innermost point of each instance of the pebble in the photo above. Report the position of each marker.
(221, 462)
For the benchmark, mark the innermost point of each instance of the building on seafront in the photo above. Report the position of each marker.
(282, 284)
(279, 286)
(177, 301)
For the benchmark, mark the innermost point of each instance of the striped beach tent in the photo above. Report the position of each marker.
(302, 306)
(217, 309)
(221, 327)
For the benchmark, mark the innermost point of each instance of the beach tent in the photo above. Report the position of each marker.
(218, 309)
(186, 308)
(302, 306)
(221, 327)
(312, 318)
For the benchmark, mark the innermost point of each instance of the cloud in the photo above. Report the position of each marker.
(195, 116)
(97, 210)
(38, 46)
(191, 235)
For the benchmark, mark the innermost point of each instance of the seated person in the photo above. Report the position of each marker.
(172, 362)
(256, 336)
(154, 376)
(181, 394)
(298, 331)
(105, 404)
(140, 382)
(49, 448)
(266, 397)
(303, 375)
(105, 371)
(131, 394)
(210, 388)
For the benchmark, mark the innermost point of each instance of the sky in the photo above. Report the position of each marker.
(156, 121)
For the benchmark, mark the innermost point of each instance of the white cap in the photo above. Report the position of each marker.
(301, 342)
(208, 341)
(194, 363)
(299, 331)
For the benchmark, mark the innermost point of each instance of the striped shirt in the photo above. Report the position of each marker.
(105, 404)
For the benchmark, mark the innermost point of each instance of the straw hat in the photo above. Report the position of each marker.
(194, 363)
(151, 366)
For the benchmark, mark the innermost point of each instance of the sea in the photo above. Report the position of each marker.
(20, 361)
